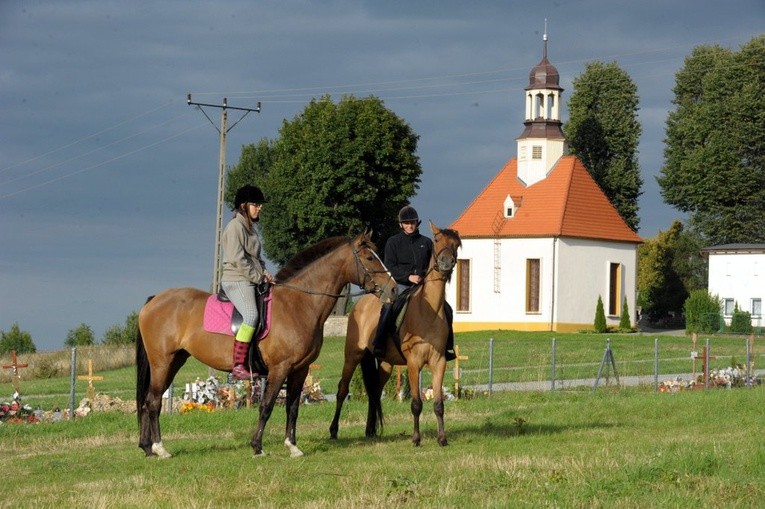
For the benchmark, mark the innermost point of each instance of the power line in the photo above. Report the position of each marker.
(81, 170)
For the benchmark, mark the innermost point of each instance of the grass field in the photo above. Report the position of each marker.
(605, 448)
(563, 449)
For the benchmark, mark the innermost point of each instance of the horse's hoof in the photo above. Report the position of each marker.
(294, 451)
(260, 454)
(160, 451)
(442, 442)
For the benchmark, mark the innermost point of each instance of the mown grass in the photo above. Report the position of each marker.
(623, 449)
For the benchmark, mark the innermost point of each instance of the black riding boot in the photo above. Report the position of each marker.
(380, 341)
(450, 355)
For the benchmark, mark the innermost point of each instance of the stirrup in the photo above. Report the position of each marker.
(240, 373)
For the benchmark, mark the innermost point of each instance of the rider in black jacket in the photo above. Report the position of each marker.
(407, 256)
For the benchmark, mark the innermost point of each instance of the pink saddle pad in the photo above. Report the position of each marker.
(217, 316)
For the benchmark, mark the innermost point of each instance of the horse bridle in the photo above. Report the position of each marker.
(368, 275)
(453, 251)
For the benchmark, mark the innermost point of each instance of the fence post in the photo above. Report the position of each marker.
(491, 364)
(168, 397)
(552, 372)
(656, 365)
(706, 365)
(72, 371)
(748, 382)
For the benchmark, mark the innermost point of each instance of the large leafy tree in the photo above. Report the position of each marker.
(670, 267)
(714, 165)
(16, 339)
(603, 131)
(335, 169)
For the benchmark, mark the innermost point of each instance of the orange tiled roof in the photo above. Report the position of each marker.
(568, 203)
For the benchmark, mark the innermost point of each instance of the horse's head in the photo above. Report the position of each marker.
(372, 275)
(446, 242)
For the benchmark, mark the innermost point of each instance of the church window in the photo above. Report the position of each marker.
(532, 285)
(463, 285)
(614, 289)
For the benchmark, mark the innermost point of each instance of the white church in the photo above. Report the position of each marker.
(542, 242)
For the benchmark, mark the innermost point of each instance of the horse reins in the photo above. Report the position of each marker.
(360, 267)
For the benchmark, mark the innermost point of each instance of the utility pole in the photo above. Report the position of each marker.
(223, 131)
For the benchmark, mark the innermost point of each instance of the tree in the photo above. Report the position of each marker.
(81, 336)
(660, 288)
(603, 131)
(16, 339)
(122, 335)
(715, 146)
(334, 169)
(625, 322)
(600, 317)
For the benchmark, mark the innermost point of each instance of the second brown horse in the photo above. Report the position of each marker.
(421, 341)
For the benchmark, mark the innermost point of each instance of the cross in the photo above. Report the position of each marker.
(91, 390)
(457, 360)
(14, 365)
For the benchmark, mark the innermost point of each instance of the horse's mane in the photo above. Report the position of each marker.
(307, 256)
(453, 234)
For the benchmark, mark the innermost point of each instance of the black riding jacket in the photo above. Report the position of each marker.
(408, 254)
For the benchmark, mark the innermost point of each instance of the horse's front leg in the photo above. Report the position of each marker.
(416, 406)
(343, 387)
(273, 386)
(438, 398)
(294, 391)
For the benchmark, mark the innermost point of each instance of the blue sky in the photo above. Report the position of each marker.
(108, 179)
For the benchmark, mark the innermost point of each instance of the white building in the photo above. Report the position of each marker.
(542, 242)
(736, 276)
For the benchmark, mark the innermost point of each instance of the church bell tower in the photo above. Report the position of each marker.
(542, 142)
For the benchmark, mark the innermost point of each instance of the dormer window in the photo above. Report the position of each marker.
(536, 152)
(510, 208)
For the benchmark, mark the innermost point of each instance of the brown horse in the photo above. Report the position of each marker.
(170, 330)
(421, 340)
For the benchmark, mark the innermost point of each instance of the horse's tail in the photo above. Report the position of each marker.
(371, 379)
(142, 371)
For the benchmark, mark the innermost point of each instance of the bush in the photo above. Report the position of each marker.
(741, 321)
(16, 339)
(625, 323)
(47, 367)
(702, 312)
(600, 317)
(81, 336)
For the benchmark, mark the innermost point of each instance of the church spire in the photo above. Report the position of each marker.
(542, 141)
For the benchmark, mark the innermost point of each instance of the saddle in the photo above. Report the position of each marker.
(220, 303)
(262, 301)
(391, 318)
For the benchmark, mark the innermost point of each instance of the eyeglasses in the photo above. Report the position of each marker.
(259, 205)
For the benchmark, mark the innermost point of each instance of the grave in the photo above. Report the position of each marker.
(91, 393)
(15, 366)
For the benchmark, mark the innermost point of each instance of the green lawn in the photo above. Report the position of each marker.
(623, 449)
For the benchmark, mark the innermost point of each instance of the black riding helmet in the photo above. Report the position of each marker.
(248, 194)
(407, 213)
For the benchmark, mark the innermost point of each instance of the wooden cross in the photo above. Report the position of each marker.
(457, 360)
(14, 365)
(90, 378)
